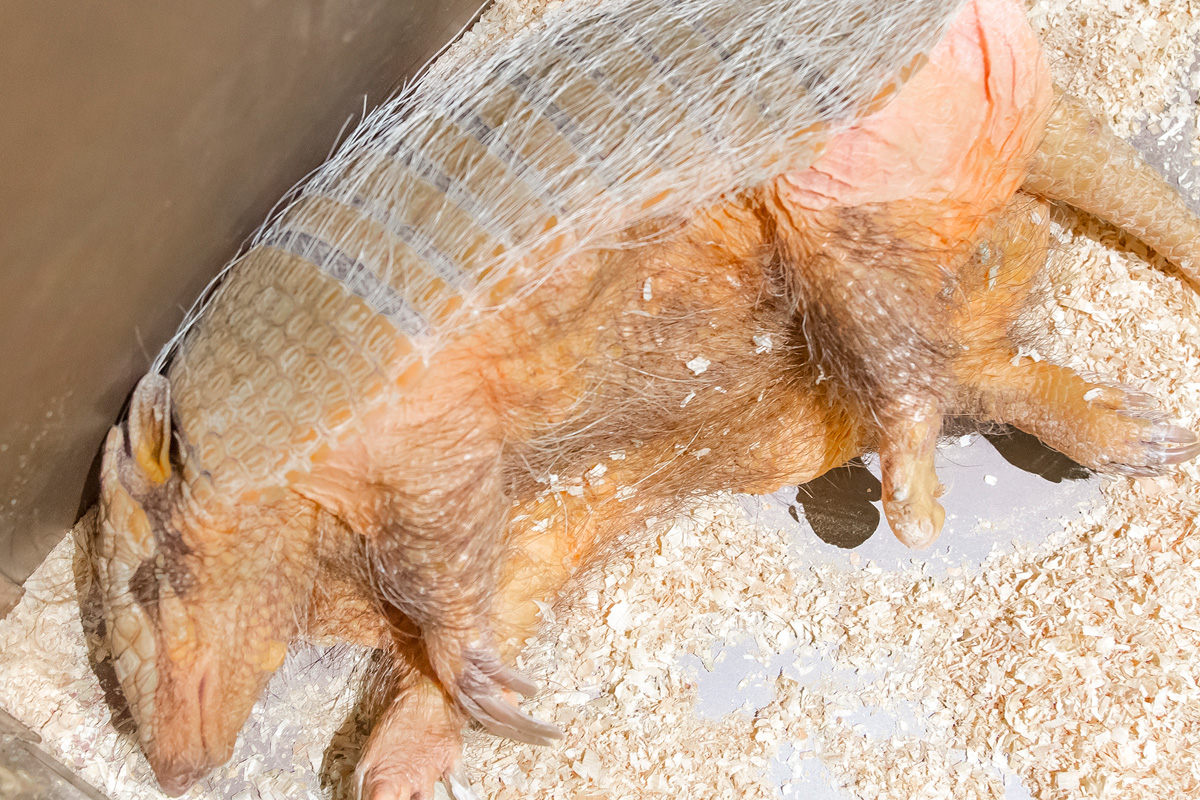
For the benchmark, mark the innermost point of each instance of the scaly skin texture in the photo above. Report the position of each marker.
(1082, 163)
(300, 468)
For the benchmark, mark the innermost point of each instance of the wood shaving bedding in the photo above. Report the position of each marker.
(1135, 62)
(1070, 667)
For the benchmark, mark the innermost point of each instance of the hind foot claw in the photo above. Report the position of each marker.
(1159, 444)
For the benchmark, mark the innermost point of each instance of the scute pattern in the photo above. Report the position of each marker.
(256, 389)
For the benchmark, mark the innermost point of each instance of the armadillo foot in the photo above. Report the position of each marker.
(1103, 427)
(1142, 441)
(910, 484)
(1128, 441)
(415, 743)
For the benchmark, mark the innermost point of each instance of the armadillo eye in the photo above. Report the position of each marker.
(126, 445)
(175, 451)
(143, 585)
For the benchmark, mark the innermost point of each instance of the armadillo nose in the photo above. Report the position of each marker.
(175, 779)
(181, 751)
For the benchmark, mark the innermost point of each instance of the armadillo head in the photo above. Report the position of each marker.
(200, 597)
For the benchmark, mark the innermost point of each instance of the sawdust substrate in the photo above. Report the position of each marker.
(1071, 666)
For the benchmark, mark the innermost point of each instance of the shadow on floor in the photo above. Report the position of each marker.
(839, 505)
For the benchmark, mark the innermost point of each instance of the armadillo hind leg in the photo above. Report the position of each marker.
(1104, 427)
(1083, 163)
(873, 311)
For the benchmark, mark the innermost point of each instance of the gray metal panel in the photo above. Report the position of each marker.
(27, 772)
(141, 142)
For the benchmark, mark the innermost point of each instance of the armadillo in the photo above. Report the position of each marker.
(649, 248)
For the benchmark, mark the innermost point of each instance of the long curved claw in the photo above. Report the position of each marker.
(483, 690)
(502, 718)
(513, 680)
(1163, 444)
(910, 484)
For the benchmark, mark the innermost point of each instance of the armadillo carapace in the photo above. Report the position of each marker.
(650, 248)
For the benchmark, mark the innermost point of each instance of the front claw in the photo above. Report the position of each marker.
(488, 691)
(471, 672)
(908, 444)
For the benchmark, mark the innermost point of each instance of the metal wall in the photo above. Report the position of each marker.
(140, 143)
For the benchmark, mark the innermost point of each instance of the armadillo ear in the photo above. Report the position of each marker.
(150, 427)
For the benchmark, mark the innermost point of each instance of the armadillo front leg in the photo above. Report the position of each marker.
(417, 739)
(1083, 163)
(434, 546)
